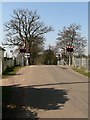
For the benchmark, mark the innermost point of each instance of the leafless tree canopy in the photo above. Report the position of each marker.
(24, 26)
(71, 36)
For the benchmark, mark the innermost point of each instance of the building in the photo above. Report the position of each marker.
(1, 59)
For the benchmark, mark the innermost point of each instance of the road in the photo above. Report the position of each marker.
(45, 92)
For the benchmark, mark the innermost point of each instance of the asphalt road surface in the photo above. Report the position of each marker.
(45, 92)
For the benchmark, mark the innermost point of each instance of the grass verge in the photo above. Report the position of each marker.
(82, 71)
(10, 71)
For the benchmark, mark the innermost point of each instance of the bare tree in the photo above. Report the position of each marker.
(70, 36)
(25, 26)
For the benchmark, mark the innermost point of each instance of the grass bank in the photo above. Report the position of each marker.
(10, 71)
(82, 71)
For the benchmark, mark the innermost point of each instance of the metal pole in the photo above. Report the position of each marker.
(74, 63)
(27, 60)
(69, 59)
(22, 60)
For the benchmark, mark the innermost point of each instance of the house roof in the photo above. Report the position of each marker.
(2, 48)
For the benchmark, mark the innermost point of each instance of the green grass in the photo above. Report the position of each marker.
(10, 71)
(82, 71)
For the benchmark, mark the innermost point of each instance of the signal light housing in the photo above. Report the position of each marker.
(70, 49)
(22, 50)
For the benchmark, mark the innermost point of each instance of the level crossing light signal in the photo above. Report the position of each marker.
(70, 49)
(22, 50)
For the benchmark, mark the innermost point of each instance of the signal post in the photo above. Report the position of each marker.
(70, 50)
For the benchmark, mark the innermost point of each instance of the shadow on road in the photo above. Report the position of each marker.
(21, 101)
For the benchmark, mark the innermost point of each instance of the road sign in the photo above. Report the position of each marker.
(27, 54)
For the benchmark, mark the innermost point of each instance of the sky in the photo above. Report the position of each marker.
(44, 0)
(88, 28)
(55, 14)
